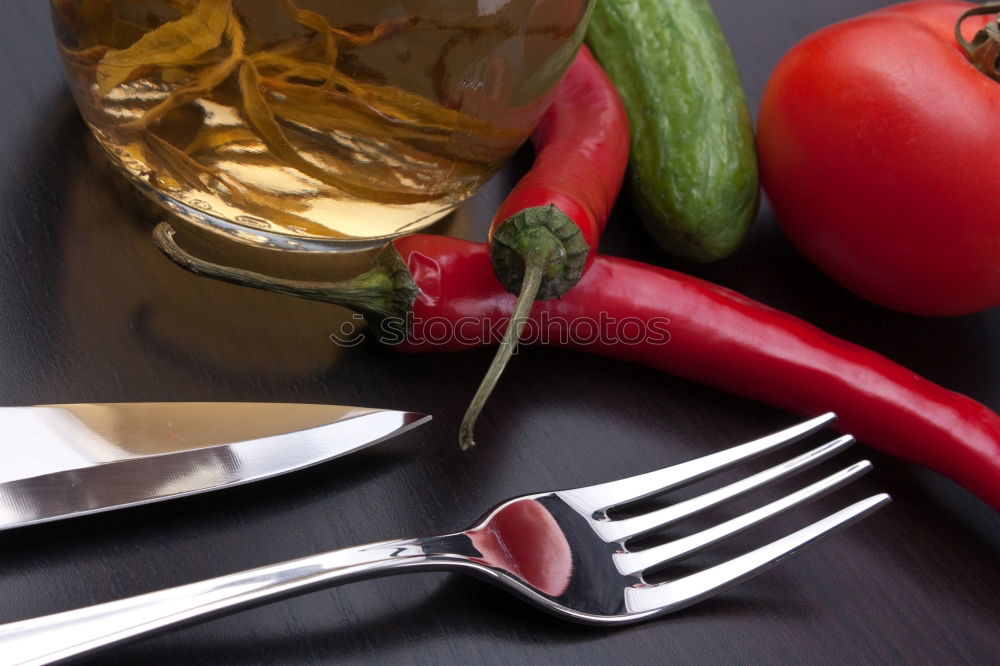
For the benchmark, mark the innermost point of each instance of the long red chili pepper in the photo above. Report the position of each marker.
(544, 235)
(690, 328)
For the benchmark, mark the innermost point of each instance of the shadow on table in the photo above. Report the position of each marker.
(460, 608)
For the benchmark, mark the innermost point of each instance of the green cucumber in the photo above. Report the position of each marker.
(693, 173)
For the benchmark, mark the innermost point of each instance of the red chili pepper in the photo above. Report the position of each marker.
(545, 234)
(690, 328)
(554, 217)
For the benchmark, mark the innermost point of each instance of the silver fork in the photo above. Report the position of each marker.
(559, 550)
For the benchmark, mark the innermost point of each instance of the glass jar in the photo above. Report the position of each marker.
(310, 123)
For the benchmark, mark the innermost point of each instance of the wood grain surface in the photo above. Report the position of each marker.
(90, 312)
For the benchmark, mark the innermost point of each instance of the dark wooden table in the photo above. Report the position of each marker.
(89, 311)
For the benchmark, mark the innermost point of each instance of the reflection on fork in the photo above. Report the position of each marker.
(559, 550)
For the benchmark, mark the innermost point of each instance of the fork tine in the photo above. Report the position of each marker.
(676, 594)
(598, 498)
(634, 563)
(626, 528)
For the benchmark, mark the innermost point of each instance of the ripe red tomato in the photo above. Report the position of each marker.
(880, 151)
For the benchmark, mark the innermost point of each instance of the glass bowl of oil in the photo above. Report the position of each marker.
(314, 124)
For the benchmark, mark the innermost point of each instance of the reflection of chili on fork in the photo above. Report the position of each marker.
(524, 539)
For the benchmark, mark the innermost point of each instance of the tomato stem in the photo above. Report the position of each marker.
(984, 49)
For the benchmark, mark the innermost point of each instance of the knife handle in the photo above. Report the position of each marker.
(53, 638)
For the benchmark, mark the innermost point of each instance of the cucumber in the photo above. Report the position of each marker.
(693, 172)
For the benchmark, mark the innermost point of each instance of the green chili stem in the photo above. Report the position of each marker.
(534, 269)
(385, 290)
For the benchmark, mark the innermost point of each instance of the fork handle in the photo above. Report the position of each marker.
(52, 638)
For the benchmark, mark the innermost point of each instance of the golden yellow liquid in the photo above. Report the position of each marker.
(322, 119)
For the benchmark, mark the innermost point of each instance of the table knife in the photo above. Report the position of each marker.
(60, 461)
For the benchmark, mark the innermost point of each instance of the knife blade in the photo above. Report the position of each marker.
(61, 461)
